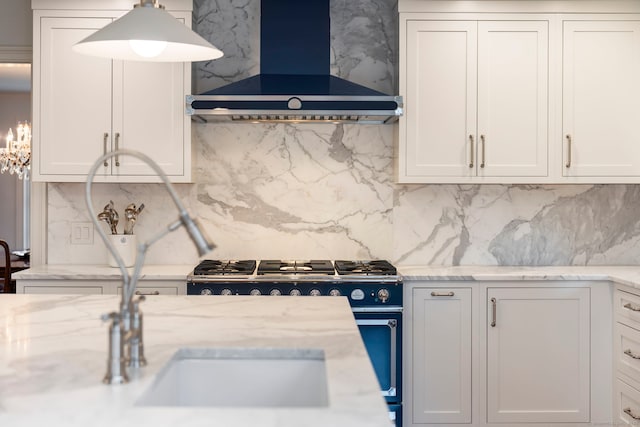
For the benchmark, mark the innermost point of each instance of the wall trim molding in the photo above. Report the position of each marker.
(16, 54)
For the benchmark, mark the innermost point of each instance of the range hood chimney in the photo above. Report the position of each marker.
(294, 84)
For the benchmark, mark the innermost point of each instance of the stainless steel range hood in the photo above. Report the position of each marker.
(294, 84)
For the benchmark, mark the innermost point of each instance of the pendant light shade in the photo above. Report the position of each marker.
(148, 33)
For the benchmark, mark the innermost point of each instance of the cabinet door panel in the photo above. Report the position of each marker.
(441, 105)
(512, 98)
(151, 119)
(541, 338)
(75, 91)
(441, 371)
(601, 98)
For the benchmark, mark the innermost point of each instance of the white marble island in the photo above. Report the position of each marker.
(53, 354)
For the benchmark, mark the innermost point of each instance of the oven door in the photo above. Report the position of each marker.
(381, 331)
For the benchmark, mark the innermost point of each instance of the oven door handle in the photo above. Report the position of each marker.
(376, 309)
(393, 326)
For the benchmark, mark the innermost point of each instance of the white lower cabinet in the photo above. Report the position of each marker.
(96, 289)
(105, 287)
(529, 353)
(538, 358)
(441, 363)
(626, 347)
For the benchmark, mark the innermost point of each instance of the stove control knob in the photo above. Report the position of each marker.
(335, 292)
(255, 291)
(275, 292)
(295, 292)
(206, 291)
(315, 292)
(226, 291)
(383, 295)
(357, 295)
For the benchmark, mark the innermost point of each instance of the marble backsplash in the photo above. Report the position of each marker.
(328, 191)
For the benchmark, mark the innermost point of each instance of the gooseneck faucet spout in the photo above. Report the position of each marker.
(125, 330)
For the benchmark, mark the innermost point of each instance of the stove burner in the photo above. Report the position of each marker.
(367, 268)
(216, 267)
(295, 267)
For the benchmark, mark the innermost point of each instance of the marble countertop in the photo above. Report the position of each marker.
(101, 272)
(53, 356)
(626, 275)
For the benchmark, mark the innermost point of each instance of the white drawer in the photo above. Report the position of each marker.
(627, 404)
(627, 351)
(627, 308)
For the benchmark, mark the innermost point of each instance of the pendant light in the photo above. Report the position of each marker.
(148, 33)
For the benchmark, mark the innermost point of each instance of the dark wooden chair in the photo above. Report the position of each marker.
(6, 284)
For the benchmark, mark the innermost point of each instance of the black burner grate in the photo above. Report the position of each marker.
(295, 267)
(366, 268)
(217, 267)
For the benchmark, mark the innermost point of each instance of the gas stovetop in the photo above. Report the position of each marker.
(293, 270)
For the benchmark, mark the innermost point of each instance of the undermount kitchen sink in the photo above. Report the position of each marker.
(258, 377)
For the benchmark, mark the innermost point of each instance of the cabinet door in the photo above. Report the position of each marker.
(512, 98)
(149, 116)
(441, 370)
(601, 98)
(440, 98)
(538, 357)
(73, 98)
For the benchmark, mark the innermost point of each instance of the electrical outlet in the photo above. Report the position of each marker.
(82, 233)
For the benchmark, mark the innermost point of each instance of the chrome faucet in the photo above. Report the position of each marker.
(126, 347)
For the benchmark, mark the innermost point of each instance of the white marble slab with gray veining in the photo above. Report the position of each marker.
(53, 356)
(283, 191)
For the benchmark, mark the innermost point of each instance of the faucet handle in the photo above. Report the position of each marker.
(116, 372)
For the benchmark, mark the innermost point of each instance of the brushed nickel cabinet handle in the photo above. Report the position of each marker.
(568, 164)
(631, 414)
(105, 139)
(117, 148)
(482, 163)
(471, 144)
(494, 310)
(628, 306)
(631, 354)
(147, 293)
(442, 294)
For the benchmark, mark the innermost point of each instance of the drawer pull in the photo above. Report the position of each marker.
(631, 414)
(442, 294)
(631, 307)
(631, 354)
(148, 293)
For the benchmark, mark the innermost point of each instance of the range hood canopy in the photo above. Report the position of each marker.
(294, 84)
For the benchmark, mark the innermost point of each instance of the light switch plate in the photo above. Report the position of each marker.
(82, 233)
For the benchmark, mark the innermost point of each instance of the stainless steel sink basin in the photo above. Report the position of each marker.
(263, 377)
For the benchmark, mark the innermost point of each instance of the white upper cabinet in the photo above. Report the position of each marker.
(601, 98)
(515, 92)
(476, 101)
(512, 111)
(85, 106)
(440, 99)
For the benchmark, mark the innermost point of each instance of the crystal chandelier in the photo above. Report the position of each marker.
(16, 157)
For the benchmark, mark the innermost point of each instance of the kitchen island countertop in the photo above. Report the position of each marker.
(53, 355)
